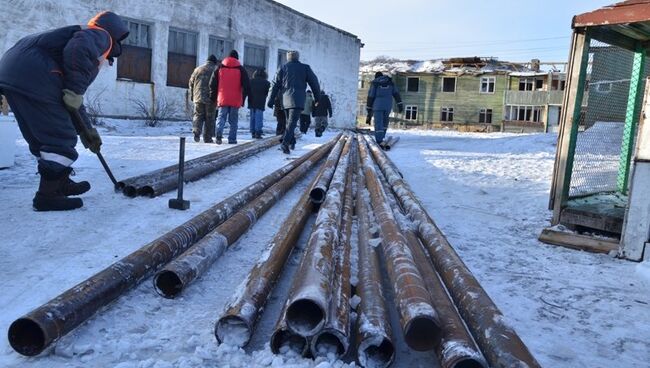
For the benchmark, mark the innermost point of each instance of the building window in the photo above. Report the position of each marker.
(135, 62)
(447, 114)
(526, 84)
(219, 47)
(282, 59)
(411, 112)
(254, 57)
(412, 84)
(181, 57)
(557, 83)
(448, 84)
(603, 87)
(485, 116)
(487, 84)
(539, 84)
(524, 113)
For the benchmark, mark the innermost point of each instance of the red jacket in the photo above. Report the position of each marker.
(229, 84)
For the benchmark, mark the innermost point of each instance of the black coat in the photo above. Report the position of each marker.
(324, 107)
(291, 81)
(259, 91)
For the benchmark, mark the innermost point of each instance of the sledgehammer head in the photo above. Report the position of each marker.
(179, 204)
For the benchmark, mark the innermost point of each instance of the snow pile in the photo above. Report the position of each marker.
(393, 66)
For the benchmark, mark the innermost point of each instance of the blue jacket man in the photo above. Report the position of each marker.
(292, 80)
(45, 75)
(380, 103)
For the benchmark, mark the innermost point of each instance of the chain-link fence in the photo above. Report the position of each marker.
(598, 164)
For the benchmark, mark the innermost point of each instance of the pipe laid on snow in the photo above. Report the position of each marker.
(311, 290)
(418, 318)
(35, 331)
(500, 344)
(237, 322)
(318, 190)
(179, 273)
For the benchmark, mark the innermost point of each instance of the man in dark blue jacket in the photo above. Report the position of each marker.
(44, 76)
(259, 90)
(380, 103)
(291, 81)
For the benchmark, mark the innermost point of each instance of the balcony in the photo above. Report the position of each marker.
(538, 98)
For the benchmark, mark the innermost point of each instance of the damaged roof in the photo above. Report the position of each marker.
(472, 65)
(625, 12)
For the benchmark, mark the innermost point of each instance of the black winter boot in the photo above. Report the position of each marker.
(51, 191)
(72, 188)
(219, 141)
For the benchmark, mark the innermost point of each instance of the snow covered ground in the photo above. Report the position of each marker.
(488, 193)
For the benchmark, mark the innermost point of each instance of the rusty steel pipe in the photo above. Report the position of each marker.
(318, 190)
(243, 311)
(500, 344)
(334, 338)
(391, 142)
(456, 348)
(35, 331)
(418, 318)
(309, 296)
(131, 185)
(202, 169)
(375, 346)
(283, 339)
(173, 278)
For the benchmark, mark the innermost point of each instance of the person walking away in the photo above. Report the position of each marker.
(44, 77)
(380, 103)
(203, 117)
(292, 80)
(280, 116)
(322, 110)
(256, 101)
(229, 87)
(305, 115)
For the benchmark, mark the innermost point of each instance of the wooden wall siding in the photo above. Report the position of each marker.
(134, 64)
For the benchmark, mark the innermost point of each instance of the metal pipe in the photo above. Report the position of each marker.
(457, 347)
(202, 169)
(284, 339)
(310, 293)
(173, 278)
(500, 344)
(334, 338)
(237, 322)
(392, 141)
(374, 334)
(35, 331)
(318, 190)
(418, 318)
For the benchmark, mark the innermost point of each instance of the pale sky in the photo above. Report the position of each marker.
(512, 30)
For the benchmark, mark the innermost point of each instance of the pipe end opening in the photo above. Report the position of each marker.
(422, 333)
(305, 317)
(377, 355)
(146, 191)
(129, 191)
(469, 363)
(317, 195)
(284, 341)
(168, 284)
(26, 337)
(329, 343)
(232, 330)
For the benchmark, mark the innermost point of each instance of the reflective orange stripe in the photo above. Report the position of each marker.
(92, 24)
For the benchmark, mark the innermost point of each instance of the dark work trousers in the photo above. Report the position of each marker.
(292, 121)
(203, 120)
(381, 124)
(282, 122)
(47, 128)
(305, 122)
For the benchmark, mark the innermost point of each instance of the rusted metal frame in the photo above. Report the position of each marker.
(244, 309)
(334, 338)
(500, 344)
(375, 346)
(309, 296)
(620, 13)
(456, 347)
(131, 185)
(35, 331)
(418, 318)
(175, 276)
(318, 190)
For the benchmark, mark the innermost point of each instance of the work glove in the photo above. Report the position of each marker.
(400, 108)
(270, 104)
(91, 140)
(72, 100)
(369, 120)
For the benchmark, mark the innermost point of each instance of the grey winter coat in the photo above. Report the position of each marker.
(381, 94)
(292, 80)
(199, 84)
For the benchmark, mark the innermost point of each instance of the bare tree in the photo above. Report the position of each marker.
(153, 114)
(93, 106)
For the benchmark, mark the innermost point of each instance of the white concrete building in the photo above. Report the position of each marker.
(170, 37)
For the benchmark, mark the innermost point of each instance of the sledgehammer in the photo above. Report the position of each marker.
(179, 203)
(81, 128)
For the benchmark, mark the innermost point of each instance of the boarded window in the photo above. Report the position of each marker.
(135, 62)
(413, 84)
(219, 47)
(485, 116)
(181, 57)
(448, 84)
(487, 84)
(411, 112)
(282, 59)
(447, 114)
(254, 58)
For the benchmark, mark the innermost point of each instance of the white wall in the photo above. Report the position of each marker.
(333, 54)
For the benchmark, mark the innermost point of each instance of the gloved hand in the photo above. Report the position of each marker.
(91, 140)
(400, 108)
(270, 104)
(72, 100)
(369, 120)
